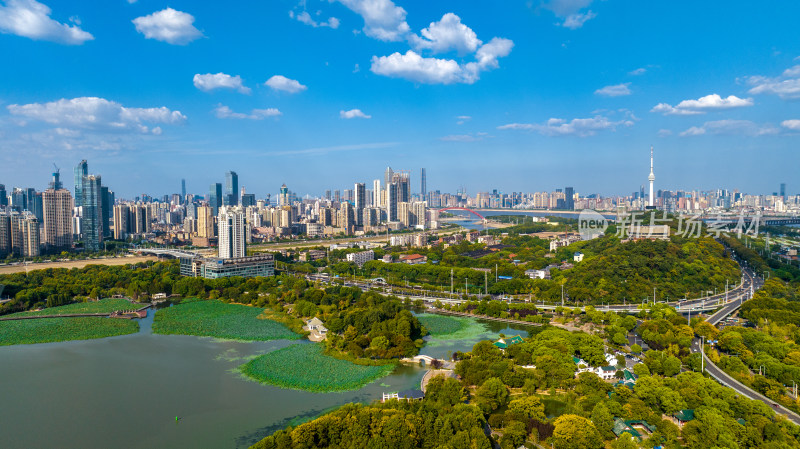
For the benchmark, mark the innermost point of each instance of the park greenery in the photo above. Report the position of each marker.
(518, 404)
(214, 318)
(307, 367)
(394, 424)
(49, 330)
(613, 269)
(365, 326)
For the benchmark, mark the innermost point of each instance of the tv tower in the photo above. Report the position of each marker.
(651, 178)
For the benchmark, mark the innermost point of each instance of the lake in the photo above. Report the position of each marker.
(126, 391)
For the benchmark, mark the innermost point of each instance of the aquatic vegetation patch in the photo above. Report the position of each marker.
(438, 325)
(306, 367)
(107, 305)
(214, 318)
(49, 330)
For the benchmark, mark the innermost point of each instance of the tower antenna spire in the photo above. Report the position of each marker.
(651, 178)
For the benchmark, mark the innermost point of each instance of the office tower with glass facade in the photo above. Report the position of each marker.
(81, 171)
(92, 219)
(231, 197)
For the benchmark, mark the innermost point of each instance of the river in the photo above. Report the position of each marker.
(126, 391)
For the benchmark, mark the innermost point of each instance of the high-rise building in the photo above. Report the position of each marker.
(122, 213)
(81, 171)
(106, 211)
(391, 201)
(423, 180)
(5, 234)
(569, 198)
(29, 235)
(231, 189)
(376, 193)
(183, 189)
(360, 202)
(205, 222)
(232, 233)
(215, 197)
(388, 176)
(92, 218)
(283, 198)
(3, 196)
(33, 203)
(783, 191)
(57, 222)
(56, 183)
(142, 217)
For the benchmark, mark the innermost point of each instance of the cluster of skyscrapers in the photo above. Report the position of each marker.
(32, 222)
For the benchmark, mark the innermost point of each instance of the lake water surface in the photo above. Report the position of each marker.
(125, 392)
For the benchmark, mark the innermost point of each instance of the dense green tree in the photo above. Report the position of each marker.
(575, 432)
(492, 395)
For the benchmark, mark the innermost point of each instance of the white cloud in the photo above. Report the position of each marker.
(575, 21)
(570, 11)
(279, 82)
(637, 72)
(664, 133)
(617, 90)
(353, 113)
(446, 35)
(463, 119)
(306, 18)
(794, 125)
(97, 113)
(414, 67)
(223, 111)
(31, 19)
(168, 25)
(581, 127)
(383, 19)
(786, 86)
(702, 104)
(731, 127)
(210, 81)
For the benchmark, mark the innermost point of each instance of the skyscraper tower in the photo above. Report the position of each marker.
(360, 202)
(92, 221)
(387, 176)
(57, 222)
(56, 183)
(423, 181)
(231, 189)
(232, 233)
(183, 190)
(651, 178)
(81, 171)
(215, 197)
(783, 191)
(376, 192)
(283, 198)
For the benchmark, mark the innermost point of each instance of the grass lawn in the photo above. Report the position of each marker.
(48, 330)
(214, 318)
(306, 367)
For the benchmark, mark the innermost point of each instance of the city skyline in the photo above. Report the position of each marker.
(521, 98)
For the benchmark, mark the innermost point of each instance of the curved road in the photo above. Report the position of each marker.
(722, 377)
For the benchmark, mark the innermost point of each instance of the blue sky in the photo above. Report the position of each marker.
(526, 96)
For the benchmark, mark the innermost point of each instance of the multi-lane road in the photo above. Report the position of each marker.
(751, 280)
